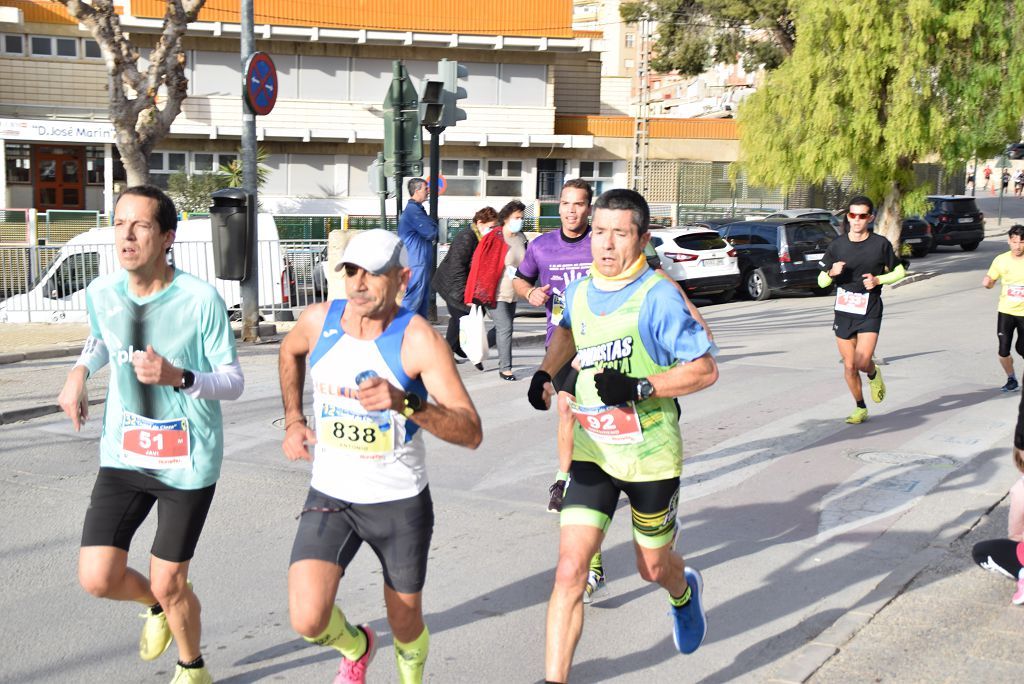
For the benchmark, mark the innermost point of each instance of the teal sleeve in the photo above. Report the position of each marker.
(893, 276)
(218, 338)
(824, 279)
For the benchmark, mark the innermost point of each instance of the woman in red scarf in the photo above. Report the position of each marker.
(490, 279)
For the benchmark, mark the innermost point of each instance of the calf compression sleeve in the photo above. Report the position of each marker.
(350, 641)
(412, 657)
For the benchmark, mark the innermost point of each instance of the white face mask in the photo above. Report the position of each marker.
(515, 225)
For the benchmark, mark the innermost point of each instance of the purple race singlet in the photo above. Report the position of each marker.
(553, 260)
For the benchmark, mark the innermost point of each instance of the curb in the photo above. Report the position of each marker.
(914, 277)
(16, 415)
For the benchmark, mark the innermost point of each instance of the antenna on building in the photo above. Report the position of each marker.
(641, 122)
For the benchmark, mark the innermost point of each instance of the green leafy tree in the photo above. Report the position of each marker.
(233, 172)
(192, 193)
(875, 85)
(693, 35)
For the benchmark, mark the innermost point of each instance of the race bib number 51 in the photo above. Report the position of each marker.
(155, 444)
(609, 424)
(851, 302)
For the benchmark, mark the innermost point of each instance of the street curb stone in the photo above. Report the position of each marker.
(15, 415)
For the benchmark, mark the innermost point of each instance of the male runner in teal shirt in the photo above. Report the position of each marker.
(173, 360)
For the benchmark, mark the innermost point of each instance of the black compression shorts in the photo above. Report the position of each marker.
(592, 496)
(121, 500)
(1006, 325)
(399, 532)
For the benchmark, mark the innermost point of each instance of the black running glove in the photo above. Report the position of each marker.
(614, 387)
(536, 391)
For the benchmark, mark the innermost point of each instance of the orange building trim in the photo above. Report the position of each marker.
(41, 12)
(546, 18)
(622, 127)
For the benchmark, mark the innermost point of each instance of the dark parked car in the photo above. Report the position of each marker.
(779, 254)
(955, 220)
(915, 232)
(1015, 150)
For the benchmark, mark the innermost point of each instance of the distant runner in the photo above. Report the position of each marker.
(1009, 268)
(859, 263)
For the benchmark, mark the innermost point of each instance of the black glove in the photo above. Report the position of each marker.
(536, 391)
(614, 387)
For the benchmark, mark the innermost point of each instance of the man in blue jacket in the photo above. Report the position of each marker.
(419, 233)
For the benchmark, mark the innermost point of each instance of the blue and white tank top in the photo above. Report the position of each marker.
(357, 457)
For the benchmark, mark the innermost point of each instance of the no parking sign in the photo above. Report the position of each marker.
(260, 83)
(442, 184)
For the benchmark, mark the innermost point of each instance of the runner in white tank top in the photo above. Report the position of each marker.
(373, 366)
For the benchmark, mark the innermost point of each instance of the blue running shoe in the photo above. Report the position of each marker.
(689, 624)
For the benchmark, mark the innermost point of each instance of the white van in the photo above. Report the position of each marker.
(59, 295)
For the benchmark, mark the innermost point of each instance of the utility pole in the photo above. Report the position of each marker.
(249, 287)
(642, 121)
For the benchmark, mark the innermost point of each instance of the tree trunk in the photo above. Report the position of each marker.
(888, 220)
(134, 158)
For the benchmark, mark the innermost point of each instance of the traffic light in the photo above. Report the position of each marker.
(403, 146)
(450, 72)
(432, 104)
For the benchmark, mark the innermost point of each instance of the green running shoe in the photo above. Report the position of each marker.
(156, 636)
(858, 416)
(877, 386)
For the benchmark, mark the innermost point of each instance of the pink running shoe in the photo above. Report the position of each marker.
(1018, 598)
(354, 671)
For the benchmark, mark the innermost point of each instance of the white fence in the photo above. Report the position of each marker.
(47, 284)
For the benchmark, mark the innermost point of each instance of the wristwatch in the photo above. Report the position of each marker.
(188, 378)
(644, 389)
(413, 403)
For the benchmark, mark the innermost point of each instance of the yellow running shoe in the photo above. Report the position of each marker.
(858, 416)
(877, 386)
(156, 635)
(197, 675)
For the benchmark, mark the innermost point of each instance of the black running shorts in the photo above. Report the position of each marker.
(121, 500)
(399, 532)
(1006, 325)
(592, 496)
(847, 326)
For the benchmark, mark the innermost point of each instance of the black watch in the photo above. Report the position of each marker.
(413, 403)
(188, 378)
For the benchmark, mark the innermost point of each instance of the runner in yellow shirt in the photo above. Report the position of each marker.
(1009, 267)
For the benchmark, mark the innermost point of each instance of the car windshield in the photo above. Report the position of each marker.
(958, 206)
(818, 233)
(700, 241)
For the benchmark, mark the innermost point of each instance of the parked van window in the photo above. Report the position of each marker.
(77, 271)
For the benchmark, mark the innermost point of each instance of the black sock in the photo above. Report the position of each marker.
(156, 609)
(861, 404)
(194, 665)
(872, 374)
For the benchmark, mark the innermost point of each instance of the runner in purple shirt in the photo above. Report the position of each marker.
(552, 261)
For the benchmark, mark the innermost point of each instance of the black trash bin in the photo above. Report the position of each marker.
(231, 233)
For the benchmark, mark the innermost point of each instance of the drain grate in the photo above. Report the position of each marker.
(903, 458)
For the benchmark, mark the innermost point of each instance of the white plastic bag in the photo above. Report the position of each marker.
(473, 335)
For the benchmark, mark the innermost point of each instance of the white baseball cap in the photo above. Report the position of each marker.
(376, 251)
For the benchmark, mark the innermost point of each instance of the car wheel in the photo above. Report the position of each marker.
(756, 285)
(723, 297)
(822, 291)
(919, 251)
(970, 246)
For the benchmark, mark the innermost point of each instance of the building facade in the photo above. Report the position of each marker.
(536, 109)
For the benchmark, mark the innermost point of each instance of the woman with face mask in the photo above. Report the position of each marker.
(510, 218)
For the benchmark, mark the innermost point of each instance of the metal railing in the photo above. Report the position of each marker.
(47, 283)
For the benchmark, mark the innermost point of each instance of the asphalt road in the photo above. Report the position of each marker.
(793, 516)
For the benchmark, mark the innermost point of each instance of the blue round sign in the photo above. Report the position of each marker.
(260, 83)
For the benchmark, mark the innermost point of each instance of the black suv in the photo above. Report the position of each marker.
(955, 220)
(779, 254)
